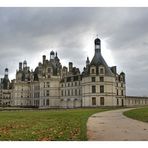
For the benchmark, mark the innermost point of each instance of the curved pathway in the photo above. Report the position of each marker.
(114, 126)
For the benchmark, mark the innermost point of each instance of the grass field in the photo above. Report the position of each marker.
(138, 114)
(45, 125)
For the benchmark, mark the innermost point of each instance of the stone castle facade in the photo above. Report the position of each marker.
(52, 85)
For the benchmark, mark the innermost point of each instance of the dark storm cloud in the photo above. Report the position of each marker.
(26, 32)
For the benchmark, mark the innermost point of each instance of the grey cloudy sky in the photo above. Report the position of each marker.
(28, 33)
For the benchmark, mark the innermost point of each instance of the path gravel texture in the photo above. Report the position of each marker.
(114, 126)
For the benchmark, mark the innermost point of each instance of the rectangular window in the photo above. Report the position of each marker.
(62, 93)
(117, 92)
(47, 93)
(93, 89)
(101, 79)
(47, 102)
(68, 92)
(102, 101)
(122, 92)
(48, 84)
(93, 79)
(38, 103)
(117, 101)
(92, 71)
(101, 89)
(75, 83)
(93, 101)
(75, 92)
(44, 102)
(101, 71)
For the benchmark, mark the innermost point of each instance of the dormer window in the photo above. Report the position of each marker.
(101, 70)
(93, 70)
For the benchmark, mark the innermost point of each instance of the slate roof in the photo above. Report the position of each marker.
(99, 60)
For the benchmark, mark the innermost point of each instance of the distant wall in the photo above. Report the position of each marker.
(136, 101)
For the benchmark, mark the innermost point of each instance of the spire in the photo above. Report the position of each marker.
(98, 59)
(87, 61)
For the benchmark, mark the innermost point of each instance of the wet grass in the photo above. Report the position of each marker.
(138, 114)
(57, 125)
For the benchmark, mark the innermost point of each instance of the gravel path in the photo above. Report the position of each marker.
(114, 126)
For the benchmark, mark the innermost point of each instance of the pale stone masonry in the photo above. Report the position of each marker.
(52, 85)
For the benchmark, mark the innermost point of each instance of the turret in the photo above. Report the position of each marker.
(51, 55)
(114, 69)
(97, 45)
(44, 59)
(122, 76)
(56, 58)
(6, 72)
(25, 64)
(70, 66)
(64, 71)
(20, 66)
(6, 81)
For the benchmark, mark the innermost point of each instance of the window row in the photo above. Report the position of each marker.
(72, 92)
(46, 84)
(46, 102)
(94, 102)
(36, 102)
(93, 79)
(100, 71)
(117, 85)
(70, 84)
(5, 97)
(138, 101)
(101, 89)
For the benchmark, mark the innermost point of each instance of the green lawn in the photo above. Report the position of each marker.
(45, 125)
(138, 114)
